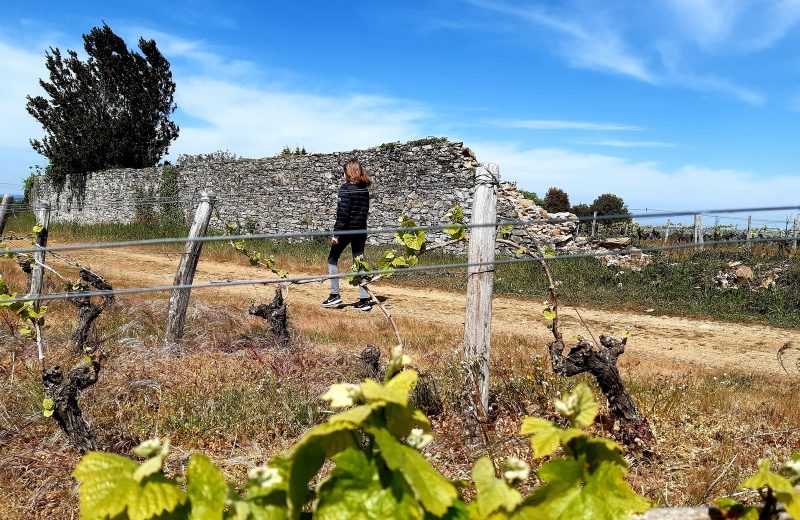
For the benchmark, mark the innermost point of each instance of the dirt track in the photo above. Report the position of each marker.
(665, 341)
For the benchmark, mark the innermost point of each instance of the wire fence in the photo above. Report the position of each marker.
(414, 269)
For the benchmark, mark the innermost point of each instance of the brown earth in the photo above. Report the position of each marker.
(662, 341)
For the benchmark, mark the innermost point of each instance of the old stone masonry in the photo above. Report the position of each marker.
(297, 192)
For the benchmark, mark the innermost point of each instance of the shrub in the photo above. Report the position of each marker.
(556, 200)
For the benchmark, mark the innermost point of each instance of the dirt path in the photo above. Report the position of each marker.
(665, 341)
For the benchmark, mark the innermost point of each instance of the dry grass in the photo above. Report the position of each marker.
(230, 392)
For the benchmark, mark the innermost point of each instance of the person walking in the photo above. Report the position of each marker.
(351, 214)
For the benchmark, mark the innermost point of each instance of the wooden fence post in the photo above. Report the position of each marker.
(478, 318)
(749, 226)
(794, 235)
(4, 212)
(594, 223)
(179, 299)
(698, 230)
(666, 233)
(37, 274)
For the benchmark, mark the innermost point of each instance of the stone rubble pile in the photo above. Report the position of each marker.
(557, 230)
(738, 275)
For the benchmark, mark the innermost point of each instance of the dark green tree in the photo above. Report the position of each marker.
(581, 210)
(556, 200)
(610, 204)
(112, 110)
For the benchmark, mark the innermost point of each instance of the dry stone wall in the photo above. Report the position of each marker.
(297, 193)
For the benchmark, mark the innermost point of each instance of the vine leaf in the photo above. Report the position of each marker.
(580, 407)
(572, 492)
(156, 495)
(206, 487)
(107, 484)
(396, 390)
(546, 435)
(353, 490)
(493, 493)
(783, 489)
(434, 492)
(48, 406)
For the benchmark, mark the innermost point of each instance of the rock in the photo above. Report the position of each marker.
(616, 243)
(743, 273)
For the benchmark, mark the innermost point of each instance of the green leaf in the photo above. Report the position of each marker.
(38, 228)
(580, 407)
(546, 435)
(396, 390)
(766, 478)
(48, 406)
(149, 467)
(493, 493)
(598, 450)
(504, 230)
(154, 464)
(604, 494)
(549, 314)
(307, 457)
(782, 488)
(353, 489)
(155, 496)
(357, 416)
(206, 487)
(413, 240)
(106, 484)
(434, 492)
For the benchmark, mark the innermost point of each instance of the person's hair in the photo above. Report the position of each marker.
(354, 172)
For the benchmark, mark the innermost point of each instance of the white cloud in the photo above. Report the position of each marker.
(20, 70)
(642, 184)
(618, 143)
(228, 104)
(557, 124)
(257, 121)
(602, 39)
(597, 47)
(735, 25)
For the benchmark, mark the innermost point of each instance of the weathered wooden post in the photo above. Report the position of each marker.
(594, 223)
(698, 230)
(478, 318)
(179, 299)
(666, 233)
(749, 226)
(794, 235)
(4, 212)
(37, 274)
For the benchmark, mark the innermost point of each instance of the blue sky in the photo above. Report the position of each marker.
(673, 104)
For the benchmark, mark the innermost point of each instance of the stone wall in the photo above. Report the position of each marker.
(297, 193)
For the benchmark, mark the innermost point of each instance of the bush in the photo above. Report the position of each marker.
(581, 210)
(556, 201)
(610, 204)
(531, 195)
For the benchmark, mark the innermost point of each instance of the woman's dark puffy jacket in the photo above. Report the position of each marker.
(353, 208)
